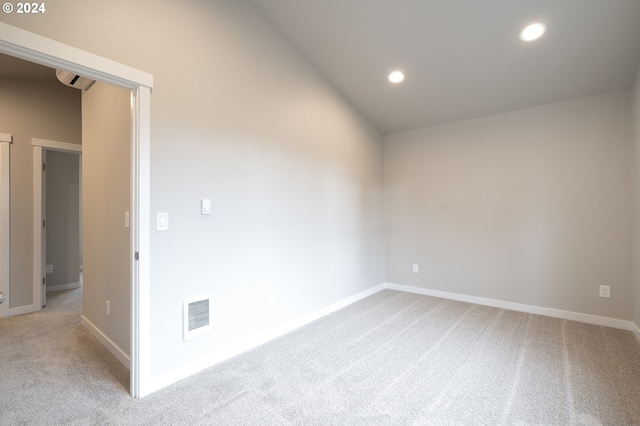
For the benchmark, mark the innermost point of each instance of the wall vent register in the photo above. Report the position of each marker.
(197, 317)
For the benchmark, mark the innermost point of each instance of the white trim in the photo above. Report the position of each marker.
(27, 309)
(35, 48)
(183, 372)
(5, 214)
(141, 242)
(108, 343)
(80, 212)
(56, 146)
(61, 287)
(40, 146)
(38, 273)
(550, 312)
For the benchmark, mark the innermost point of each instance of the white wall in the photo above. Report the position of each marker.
(635, 93)
(106, 159)
(531, 206)
(63, 218)
(31, 109)
(241, 117)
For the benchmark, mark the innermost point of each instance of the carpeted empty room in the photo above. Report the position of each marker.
(320, 212)
(393, 358)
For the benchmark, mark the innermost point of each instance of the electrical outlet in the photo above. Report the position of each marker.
(605, 291)
(273, 301)
(416, 268)
(108, 308)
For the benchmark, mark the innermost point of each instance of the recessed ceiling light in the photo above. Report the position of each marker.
(396, 77)
(532, 32)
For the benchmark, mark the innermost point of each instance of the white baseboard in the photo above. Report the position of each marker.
(108, 343)
(27, 309)
(194, 367)
(60, 287)
(636, 330)
(550, 312)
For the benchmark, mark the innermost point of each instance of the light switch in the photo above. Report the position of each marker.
(162, 221)
(206, 206)
(127, 223)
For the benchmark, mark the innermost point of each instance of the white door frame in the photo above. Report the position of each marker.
(39, 146)
(44, 51)
(5, 211)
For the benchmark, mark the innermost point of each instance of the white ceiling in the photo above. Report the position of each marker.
(462, 58)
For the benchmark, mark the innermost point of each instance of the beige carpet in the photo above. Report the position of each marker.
(391, 359)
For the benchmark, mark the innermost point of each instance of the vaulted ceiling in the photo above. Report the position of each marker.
(462, 58)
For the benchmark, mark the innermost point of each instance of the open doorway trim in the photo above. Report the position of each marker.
(41, 50)
(5, 211)
(38, 146)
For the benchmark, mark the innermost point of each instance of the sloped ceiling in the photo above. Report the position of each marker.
(462, 58)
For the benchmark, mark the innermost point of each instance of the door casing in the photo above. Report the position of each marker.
(44, 51)
(5, 200)
(40, 146)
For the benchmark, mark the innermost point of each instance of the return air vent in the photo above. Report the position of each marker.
(197, 317)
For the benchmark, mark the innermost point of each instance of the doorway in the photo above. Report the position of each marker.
(56, 218)
(63, 201)
(34, 48)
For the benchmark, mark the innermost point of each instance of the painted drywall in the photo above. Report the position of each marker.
(106, 158)
(635, 110)
(240, 117)
(63, 218)
(531, 206)
(31, 109)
